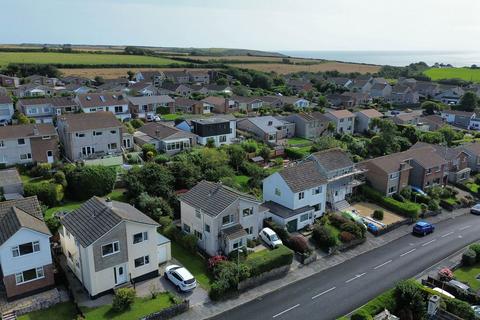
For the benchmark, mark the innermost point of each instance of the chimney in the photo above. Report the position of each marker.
(433, 305)
(35, 130)
(109, 202)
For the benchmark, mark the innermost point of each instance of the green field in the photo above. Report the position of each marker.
(81, 58)
(466, 74)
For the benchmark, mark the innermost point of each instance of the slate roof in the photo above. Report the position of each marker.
(316, 115)
(473, 148)
(90, 121)
(371, 113)
(27, 131)
(95, 218)
(443, 151)
(214, 100)
(21, 213)
(103, 99)
(339, 114)
(284, 212)
(162, 131)
(263, 123)
(303, 176)
(332, 159)
(9, 177)
(213, 198)
(55, 101)
(150, 99)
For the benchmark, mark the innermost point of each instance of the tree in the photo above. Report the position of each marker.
(186, 173)
(410, 298)
(130, 75)
(449, 135)
(154, 207)
(88, 181)
(265, 153)
(411, 133)
(236, 156)
(469, 102)
(210, 143)
(430, 107)
(221, 82)
(324, 143)
(153, 178)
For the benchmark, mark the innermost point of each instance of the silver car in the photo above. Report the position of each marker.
(475, 209)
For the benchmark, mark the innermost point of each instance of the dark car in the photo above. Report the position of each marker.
(475, 209)
(423, 228)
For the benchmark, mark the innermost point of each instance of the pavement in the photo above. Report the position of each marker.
(341, 289)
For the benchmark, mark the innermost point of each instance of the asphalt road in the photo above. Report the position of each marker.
(343, 288)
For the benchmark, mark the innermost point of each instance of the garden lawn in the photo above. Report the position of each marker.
(468, 275)
(117, 195)
(242, 181)
(67, 206)
(61, 311)
(140, 308)
(82, 58)
(194, 263)
(260, 253)
(171, 116)
(466, 74)
(296, 141)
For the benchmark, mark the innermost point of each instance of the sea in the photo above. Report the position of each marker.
(394, 58)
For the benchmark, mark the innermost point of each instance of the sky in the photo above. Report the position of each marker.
(272, 25)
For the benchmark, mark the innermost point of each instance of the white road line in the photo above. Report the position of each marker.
(356, 277)
(447, 234)
(383, 264)
(322, 293)
(427, 243)
(405, 253)
(463, 228)
(284, 311)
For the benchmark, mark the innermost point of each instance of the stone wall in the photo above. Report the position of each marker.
(169, 312)
(264, 277)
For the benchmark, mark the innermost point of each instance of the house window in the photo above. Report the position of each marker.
(198, 213)
(140, 237)
(113, 132)
(142, 261)
(222, 139)
(227, 219)
(80, 135)
(392, 189)
(25, 156)
(118, 109)
(249, 230)
(304, 217)
(301, 195)
(247, 212)
(32, 111)
(393, 175)
(46, 137)
(21, 142)
(112, 146)
(198, 234)
(429, 171)
(111, 248)
(97, 133)
(341, 120)
(237, 244)
(278, 192)
(207, 228)
(26, 248)
(2, 144)
(186, 228)
(29, 275)
(317, 190)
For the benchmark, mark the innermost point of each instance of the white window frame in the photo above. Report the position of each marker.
(113, 248)
(145, 261)
(35, 248)
(144, 237)
(301, 195)
(19, 279)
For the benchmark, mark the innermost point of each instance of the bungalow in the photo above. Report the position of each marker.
(107, 101)
(165, 138)
(296, 195)
(185, 105)
(268, 129)
(450, 95)
(299, 85)
(26, 265)
(183, 90)
(246, 104)
(340, 101)
(406, 118)
(215, 104)
(146, 107)
(45, 110)
(275, 102)
(142, 89)
(42, 80)
(6, 108)
(363, 118)
(33, 90)
(458, 118)
(295, 101)
(108, 244)
(340, 82)
(221, 218)
(344, 121)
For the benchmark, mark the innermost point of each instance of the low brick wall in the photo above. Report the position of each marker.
(264, 277)
(169, 312)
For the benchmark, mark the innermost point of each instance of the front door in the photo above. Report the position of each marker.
(50, 158)
(339, 194)
(120, 274)
(292, 225)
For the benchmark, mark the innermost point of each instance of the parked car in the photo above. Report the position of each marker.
(459, 285)
(475, 209)
(270, 238)
(418, 190)
(445, 293)
(181, 278)
(476, 310)
(3, 122)
(151, 117)
(423, 228)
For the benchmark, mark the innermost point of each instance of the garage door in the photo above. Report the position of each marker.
(162, 253)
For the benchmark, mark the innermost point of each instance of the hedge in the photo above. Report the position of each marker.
(384, 301)
(49, 193)
(408, 209)
(279, 257)
(86, 182)
(294, 154)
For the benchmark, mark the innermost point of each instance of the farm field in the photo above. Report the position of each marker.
(282, 68)
(111, 73)
(253, 59)
(80, 58)
(466, 74)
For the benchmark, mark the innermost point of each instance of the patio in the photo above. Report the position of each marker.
(366, 209)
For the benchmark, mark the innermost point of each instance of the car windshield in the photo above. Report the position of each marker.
(274, 237)
(189, 281)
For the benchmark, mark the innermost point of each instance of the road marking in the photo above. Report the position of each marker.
(322, 293)
(427, 243)
(284, 311)
(356, 277)
(463, 228)
(447, 234)
(405, 253)
(383, 264)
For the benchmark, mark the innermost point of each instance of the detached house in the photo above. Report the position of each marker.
(215, 104)
(25, 260)
(7, 81)
(108, 243)
(309, 125)
(363, 118)
(199, 76)
(45, 110)
(296, 195)
(90, 135)
(473, 151)
(222, 218)
(155, 77)
(450, 95)
(108, 101)
(28, 143)
(220, 130)
(6, 108)
(146, 107)
(268, 129)
(458, 118)
(381, 90)
(246, 104)
(403, 94)
(165, 138)
(344, 120)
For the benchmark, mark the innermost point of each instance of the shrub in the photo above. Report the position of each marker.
(164, 222)
(136, 123)
(298, 243)
(378, 214)
(476, 248)
(48, 193)
(361, 315)
(53, 223)
(218, 289)
(469, 258)
(172, 232)
(410, 299)
(408, 209)
(323, 237)
(346, 236)
(281, 256)
(161, 159)
(41, 170)
(445, 274)
(123, 299)
(433, 205)
(214, 261)
(294, 154)
(59, 177)
(398, 197)
(460, 308)
(86, 182)
(189, 242)
(337, 220)
(149, 151)
(406, 193)
(353, 228)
